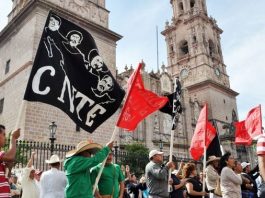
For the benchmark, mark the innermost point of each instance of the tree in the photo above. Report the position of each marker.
(136, 157)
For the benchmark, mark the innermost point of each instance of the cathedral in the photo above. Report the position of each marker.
(194, 55)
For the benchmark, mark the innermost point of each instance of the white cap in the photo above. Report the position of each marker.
(154, 152)
(244, 164)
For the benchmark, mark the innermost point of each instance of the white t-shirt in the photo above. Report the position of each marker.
(52, 184)
(29, 186)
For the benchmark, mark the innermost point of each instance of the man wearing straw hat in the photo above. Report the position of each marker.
(77, 167)
(212, 175)
(53, 181)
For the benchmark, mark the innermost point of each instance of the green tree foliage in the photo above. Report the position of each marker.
(136, 158)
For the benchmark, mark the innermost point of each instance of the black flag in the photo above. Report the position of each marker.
(214, 147)
(174, 99)
(173, 106)
(69, 73)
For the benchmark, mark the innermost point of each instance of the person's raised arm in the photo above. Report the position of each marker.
(11, 153)
(30, 162)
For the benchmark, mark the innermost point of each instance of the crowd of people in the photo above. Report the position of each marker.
(224, 176)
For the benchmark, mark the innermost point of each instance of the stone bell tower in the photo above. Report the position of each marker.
(18, 45)
(195, 56)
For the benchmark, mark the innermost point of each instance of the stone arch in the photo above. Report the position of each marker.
(192, 4)
(181, 7)
(184, 48)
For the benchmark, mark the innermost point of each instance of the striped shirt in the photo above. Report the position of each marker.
(4, 186)
(261, 145)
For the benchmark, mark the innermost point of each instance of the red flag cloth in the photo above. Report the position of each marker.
(253, 122)
(241, 134)
(200, 138)
(139, 103)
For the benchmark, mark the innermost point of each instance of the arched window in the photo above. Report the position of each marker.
(181, 8)
(194, 39)
(184, 48)
(234, 116)
(211, 47)
(192, 3)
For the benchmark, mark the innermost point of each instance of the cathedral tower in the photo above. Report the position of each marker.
(195, 56)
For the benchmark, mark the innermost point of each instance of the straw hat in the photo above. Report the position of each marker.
(83, 146)
(212, 158)
(53, 159)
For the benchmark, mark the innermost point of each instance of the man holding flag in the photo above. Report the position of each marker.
(157, 175)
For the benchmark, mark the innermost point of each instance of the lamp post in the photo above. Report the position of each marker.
(116, 152)
(52, 128)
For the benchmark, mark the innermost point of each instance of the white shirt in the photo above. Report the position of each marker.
(52, 184)
(29, 186)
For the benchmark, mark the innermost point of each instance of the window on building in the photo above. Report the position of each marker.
(194, 39)
(234, 116)
(1, 105)
(7, 66)
(181, 8)
(192, 3)
(171, 48)
(211, 47)
(184, 48)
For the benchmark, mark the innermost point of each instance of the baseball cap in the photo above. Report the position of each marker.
(244, 164)
(155, 152)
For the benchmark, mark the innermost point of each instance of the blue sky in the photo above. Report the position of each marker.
(243, 40)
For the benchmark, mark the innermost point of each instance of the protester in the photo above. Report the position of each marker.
(111, 182)
(177, 183)
(6, 157)
(193, 184)
(246, 183)
(135, 188)
(251, 175)
(37, 176)
(53, 181)
(14, 188)
(29, 185)
(261, 162)
(230, 181)
(212, 176)
(157, 175)
(77, 167)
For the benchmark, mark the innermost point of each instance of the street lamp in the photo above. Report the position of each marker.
(52, 128)
(116, 152)
(160, 145)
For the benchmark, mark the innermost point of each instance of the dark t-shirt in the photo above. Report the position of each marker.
(176, 193)
(197, 186)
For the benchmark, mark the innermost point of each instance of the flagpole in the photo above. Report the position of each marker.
(114, 134)
(204, 151)
(21, 109)
(174, 122)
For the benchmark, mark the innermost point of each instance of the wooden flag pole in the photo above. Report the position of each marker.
(21, 109)
(114, 134)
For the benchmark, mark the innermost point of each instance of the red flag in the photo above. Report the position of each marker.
(241, 134)
(203, 135)
(139, 103)
(253, 122)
